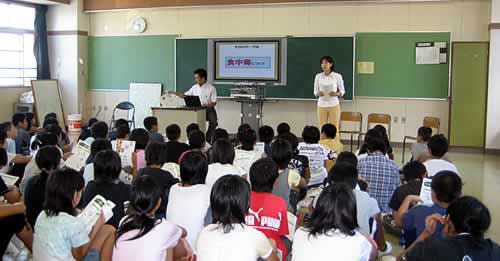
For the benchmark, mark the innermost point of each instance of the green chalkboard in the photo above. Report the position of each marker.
(116, 61)
(396, 72)
(303, 55)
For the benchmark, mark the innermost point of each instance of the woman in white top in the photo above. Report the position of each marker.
(332, 232)
(228, 238)
(328, 87)
(221, 157)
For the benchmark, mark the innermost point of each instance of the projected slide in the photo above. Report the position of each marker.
(247, 60)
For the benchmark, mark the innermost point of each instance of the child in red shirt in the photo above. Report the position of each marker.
(268, 212)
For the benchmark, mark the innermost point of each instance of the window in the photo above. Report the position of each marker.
(17, 60)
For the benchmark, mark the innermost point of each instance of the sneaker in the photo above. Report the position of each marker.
(387, 251)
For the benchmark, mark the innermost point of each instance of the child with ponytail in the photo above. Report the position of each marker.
(144, 236)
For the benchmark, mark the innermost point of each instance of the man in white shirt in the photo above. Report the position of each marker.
(208, 98)
(438, 147)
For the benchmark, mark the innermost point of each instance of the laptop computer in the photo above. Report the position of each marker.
(192, 101)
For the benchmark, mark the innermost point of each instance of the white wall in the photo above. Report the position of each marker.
(466, 19)
(493, 114)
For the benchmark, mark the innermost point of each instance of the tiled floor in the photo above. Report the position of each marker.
(481, 177)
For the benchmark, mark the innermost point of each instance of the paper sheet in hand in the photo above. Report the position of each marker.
(91, 213)
(9, 180)
(125, 148)
(426, 192)
(80, 155)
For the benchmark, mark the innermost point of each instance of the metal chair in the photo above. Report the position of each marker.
(124, 106)
(355, 117)
(431, 122)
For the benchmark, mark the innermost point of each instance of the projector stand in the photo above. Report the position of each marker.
(252, 99)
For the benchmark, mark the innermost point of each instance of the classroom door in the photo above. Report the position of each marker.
(469, 83)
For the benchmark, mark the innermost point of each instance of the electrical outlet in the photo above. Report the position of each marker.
(403, 120)
(396, 119)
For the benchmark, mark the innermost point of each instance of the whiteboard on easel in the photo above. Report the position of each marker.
(144, 96)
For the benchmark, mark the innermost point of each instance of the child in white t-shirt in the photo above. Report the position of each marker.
(228, 238)
(318, 155)
(245, 155)
(192, 194)
(438, 147)
(222, 157)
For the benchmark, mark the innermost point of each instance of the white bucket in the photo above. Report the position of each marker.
(75, 122)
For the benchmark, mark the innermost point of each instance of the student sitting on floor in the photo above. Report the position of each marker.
(467, 222)
(380, 172)
(317, 154)
(446, 187)
(141, 138)
(155, 158)
(60, 235)
(143, 235)
(221, 162)
(266, 135)
(228, 238)
(268, 211)
(414, 172)
(289, 182)
(283, 128)
(47, 159)
(367, 207)
(23, 136)
(419, 149)
(98, 131)
(97, 146)
(113, 134)
(197, 141)
(193, 127)
(11, 131)
(192, 192)
(349, 157)
(383, 132)
(174, 147)
(328, 139)
(151, 124)
(12, 219)
(438, 147)
(11, 158)
(245, 155)
(86, 133)
(332, 233)
(107, 168)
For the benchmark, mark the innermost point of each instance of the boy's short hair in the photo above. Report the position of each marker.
(266, 134)
(99, 130)
(123, 131)
(121, 122)
(291, 138)
(447, 185)
(414, 170)
(141, 138)
(438, 145)
(425, 133)
(191, 127)
(282, 153)
(283, 128)
(156, 154)
(311, 135)
(149, 122)
(107, 166)
(329, 130)
(347, 156)
(196, 139)
(376, 144)
(344, 172)
(173, 132)
(263, 175)
(18, 118)
(218, 134)
(248, 138)
(193, 168)
(50, 121)
(202, 73)
(50, 115)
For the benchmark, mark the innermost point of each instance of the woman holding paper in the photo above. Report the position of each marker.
(328, 87)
